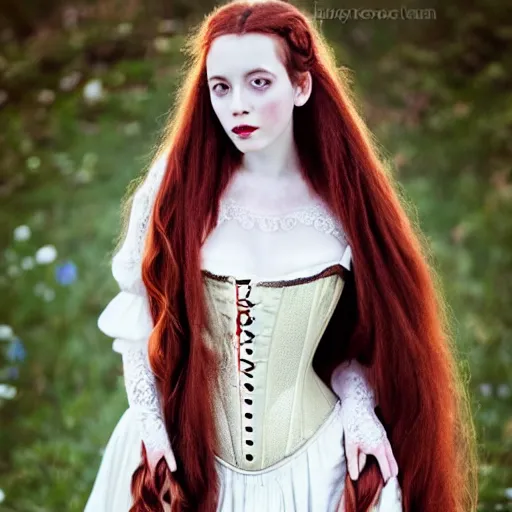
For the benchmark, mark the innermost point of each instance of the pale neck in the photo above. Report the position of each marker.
(278, 160)
(270, 195)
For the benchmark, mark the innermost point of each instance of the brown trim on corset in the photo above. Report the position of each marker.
(332, 269)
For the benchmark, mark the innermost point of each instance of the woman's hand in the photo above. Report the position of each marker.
(154, 456)
(363, 432)
(144, 400)
(364, 435)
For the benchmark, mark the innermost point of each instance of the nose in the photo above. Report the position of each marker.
(238, 102)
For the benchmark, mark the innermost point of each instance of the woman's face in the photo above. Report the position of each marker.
(249, 85)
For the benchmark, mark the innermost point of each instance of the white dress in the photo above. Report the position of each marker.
(304, 468)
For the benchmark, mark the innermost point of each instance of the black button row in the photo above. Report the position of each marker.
(245, 302)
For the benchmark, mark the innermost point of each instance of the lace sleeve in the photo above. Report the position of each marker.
(363, 431)
(144, 400)
(128, 320)
(349, 382)
(357, 397)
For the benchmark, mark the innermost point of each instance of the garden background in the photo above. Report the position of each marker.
(85, 89)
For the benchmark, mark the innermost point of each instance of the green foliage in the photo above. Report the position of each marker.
(67, 155)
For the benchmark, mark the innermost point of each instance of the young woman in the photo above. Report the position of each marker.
(278, 320)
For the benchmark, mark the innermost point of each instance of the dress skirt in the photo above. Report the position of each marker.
(309, 480)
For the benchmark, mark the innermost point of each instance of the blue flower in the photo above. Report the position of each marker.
(66, 273)
(16, 350)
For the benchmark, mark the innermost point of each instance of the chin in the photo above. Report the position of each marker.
(246, 146)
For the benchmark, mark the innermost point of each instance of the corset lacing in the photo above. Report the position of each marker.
(246, 339)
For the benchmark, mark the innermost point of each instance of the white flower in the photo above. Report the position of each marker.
(162, 44)
(168, 26)
(33, 163)
(48, 295)
(7, 391)
(83, 176)
(64, 163)
(6, 332)
(124, 29)
(93, 91)
(508, 493)
(485, 469)
(69, 82)
(2, 496)
(132, 128)
(39, 289)
(22, 233)
(27, 263)
(46, 254)
(486, 389)
(503, 391)
(46, 97)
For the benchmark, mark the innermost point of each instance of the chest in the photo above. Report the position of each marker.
(245, 244)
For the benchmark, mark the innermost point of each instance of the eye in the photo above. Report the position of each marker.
(266, 80)
(221, 91)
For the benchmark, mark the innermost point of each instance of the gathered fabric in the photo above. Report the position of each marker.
(309, 480)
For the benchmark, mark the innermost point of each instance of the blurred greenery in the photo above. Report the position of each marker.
(81, 105)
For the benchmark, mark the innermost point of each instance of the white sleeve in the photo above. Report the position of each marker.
(349, 382)
(128, 320)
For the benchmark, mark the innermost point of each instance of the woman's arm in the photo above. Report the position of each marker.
(143, 398)
(128, 320)
(364, 433)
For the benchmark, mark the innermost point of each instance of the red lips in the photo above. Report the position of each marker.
(244, 129)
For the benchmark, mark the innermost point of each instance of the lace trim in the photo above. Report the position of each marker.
(349, 382)
(314, 215)
(143, 398)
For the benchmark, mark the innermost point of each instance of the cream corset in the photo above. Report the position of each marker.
(269, 399)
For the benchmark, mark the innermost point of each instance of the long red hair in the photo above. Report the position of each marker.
(391, 316)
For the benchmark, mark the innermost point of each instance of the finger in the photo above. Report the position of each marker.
(380, 455)
(171, 462)
(153, 460)
(393, 465)
(362, 461)
(351, 454)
